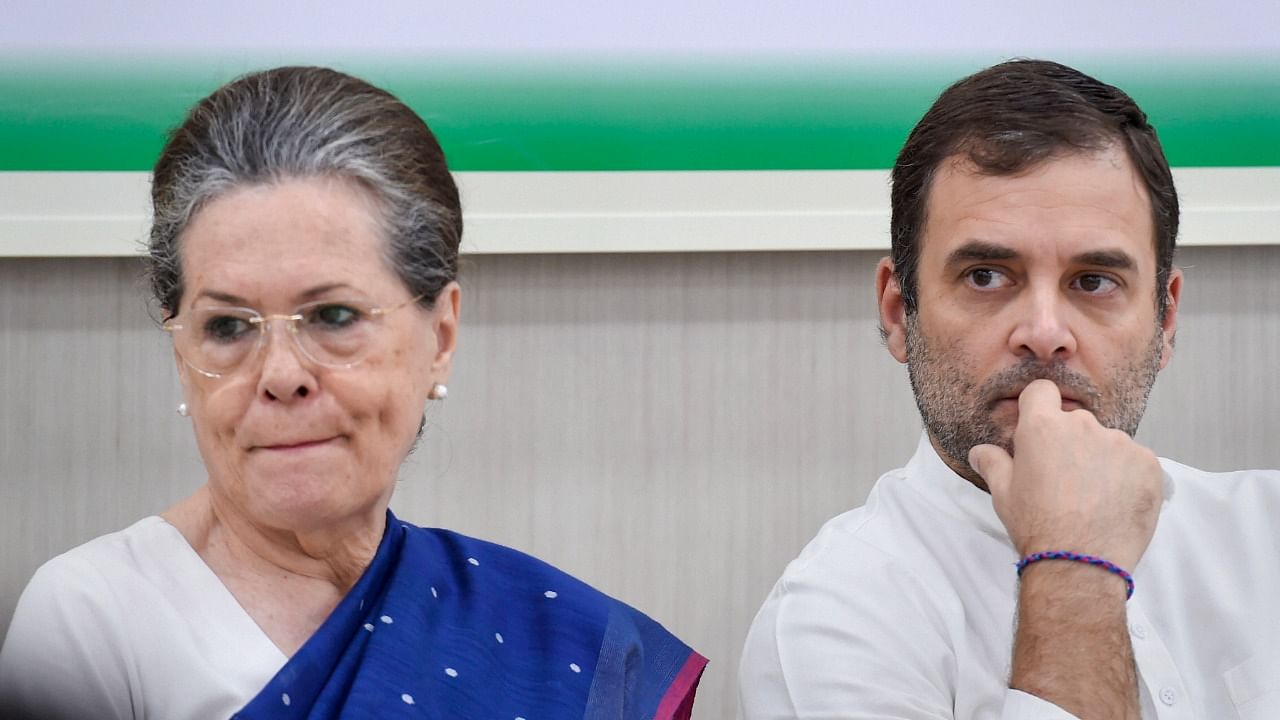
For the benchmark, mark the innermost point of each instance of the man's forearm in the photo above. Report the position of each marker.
(1072, 646)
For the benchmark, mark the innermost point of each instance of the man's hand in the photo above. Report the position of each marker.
(1071, 483)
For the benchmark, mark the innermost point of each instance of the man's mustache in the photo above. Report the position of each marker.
(1010, 382)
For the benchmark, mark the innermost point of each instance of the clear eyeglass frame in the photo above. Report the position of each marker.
(183, 333)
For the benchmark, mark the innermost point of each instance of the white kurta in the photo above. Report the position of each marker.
(904, 608)
(133, 625)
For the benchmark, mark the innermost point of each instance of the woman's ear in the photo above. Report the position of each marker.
(444, 324)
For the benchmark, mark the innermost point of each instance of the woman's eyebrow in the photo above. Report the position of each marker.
(223, 297)
(308, 294)
(318, 290)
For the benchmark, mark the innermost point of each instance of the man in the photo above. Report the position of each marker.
(1032, 295)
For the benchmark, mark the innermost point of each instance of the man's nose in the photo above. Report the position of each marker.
(1043, 329)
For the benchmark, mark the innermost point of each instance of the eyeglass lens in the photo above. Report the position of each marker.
(219, 339)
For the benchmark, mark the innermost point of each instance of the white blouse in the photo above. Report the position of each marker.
(128, 626)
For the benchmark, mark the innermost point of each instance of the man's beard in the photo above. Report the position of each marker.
(959, 413)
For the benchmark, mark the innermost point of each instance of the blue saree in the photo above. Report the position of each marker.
(441, 625)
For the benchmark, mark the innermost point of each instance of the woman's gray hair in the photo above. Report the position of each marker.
(304, 122)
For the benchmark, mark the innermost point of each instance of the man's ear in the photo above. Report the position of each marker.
(1169, 323)
(444, 323)
(893, 311)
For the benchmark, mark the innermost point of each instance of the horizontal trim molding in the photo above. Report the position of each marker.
(105, 214)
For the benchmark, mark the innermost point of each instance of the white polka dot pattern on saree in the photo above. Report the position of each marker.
(467, 575)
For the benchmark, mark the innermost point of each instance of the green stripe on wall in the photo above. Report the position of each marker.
(107, 114)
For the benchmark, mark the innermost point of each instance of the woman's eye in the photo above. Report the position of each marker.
(334, 316)
(1096, 284)
(226, 328)
(986, 278)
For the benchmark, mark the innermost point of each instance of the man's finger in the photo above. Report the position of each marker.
(994, 465)
(1040, 394)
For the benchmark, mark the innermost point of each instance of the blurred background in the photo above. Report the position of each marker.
(669, 374)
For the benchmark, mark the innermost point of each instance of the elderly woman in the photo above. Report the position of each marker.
(304, 251)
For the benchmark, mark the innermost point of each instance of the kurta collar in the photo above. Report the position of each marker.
(928, 476)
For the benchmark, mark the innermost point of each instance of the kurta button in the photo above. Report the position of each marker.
(1168, 696)
(1138, 630)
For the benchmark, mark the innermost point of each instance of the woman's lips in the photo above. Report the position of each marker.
(299, 445)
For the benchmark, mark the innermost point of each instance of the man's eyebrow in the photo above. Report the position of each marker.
(980, 251)
(1111, 259)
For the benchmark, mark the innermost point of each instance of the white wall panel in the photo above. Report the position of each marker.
(670, 427)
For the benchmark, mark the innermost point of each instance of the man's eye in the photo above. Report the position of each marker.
(334, 317)
(226, 328)
(1095, 284)
(986, 278)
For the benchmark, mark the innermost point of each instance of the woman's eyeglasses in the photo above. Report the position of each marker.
(216, 341)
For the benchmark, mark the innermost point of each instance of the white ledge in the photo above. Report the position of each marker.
(94, 214)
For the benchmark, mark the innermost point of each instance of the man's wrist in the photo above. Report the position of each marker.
(1085, 581)
(1084, 558)
(1071, 644)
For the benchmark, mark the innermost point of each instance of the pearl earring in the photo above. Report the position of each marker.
(182, 409)
(438, 392)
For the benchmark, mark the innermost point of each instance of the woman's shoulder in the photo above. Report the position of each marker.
(485, 582)
(479, 566)
(564, 627)
(96, 587)
(69, 643)
(103, 582)
(118, 555)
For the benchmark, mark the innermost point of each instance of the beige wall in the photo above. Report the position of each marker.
(671, 428)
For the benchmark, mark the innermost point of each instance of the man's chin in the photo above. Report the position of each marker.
(954, 449)
(1001, 423)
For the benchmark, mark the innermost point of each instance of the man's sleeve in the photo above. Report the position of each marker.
(1025, 706)
(834, 643)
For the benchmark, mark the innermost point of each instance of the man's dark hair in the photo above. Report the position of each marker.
(1010, 118)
